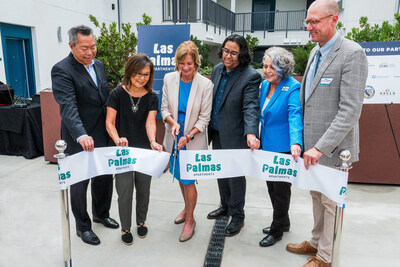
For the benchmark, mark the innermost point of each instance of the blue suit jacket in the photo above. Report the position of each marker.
(282, 125)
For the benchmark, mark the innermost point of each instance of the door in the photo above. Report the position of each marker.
(17, 68)
(263, 15)
(18, 58)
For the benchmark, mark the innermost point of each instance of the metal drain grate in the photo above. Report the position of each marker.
(216, 246)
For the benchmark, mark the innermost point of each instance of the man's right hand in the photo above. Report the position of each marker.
(87, 143)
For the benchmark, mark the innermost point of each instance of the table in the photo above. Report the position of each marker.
(21, 131)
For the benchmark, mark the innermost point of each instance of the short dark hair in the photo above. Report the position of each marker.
(134, 65)
(244, 55)
(81, 29)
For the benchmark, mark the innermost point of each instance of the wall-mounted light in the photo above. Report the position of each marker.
(59, 34)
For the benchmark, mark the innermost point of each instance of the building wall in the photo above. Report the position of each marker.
(376, 11)
(286, 5)
(244, 6)
(44, 17)
(226, 3)
(132, 11)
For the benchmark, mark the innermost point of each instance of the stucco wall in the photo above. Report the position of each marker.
(44, 17)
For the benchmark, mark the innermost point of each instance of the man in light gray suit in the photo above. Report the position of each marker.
(331, 98)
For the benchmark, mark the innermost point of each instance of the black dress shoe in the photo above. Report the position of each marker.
(266, 230)
(215, 214)
(107, 222)
(269, 240)
(88, 237)
(234, 227)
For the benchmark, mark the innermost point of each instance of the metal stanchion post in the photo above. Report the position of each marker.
(344, 156)
(61, 145)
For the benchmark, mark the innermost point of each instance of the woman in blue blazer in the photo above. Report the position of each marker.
(281, 130)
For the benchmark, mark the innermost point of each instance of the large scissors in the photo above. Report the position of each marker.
(175, 155)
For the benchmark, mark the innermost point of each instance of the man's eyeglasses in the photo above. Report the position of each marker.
(314, 22)
(140, 75)
(232, 53)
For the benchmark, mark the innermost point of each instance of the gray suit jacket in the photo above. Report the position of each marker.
(332, 110)
(240, 109)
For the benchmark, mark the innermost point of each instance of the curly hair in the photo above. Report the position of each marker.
(282, 61)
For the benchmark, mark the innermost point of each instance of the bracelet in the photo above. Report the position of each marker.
(187, 138)
(152, 140)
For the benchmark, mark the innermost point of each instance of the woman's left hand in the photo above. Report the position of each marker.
(156, 146)
(182, 142)
(295, 150)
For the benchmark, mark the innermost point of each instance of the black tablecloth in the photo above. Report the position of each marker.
(21, 131)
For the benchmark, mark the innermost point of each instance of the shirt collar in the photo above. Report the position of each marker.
(229, 74)
(327, 47)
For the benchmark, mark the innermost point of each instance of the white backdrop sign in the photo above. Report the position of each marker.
(383, 82)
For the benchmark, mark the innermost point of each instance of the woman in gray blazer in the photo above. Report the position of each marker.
(185, 109)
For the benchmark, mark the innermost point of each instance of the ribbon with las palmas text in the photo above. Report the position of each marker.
(110, 160)
(264, 165)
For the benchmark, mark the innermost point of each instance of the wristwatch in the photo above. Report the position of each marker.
(191, 136)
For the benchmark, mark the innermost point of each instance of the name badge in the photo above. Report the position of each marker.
(326, 80)
(285, 88)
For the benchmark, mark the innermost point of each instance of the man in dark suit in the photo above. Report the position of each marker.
(234, 121)
(80, 88)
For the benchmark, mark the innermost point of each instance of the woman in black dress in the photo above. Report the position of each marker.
(131, 114)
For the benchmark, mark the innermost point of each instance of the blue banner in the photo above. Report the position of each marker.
(159, 43)
(381, 48)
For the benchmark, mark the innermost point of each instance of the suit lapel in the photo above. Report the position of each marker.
(82, 71)
(192, 95)
(325, 63)
(216, 80)
(99, 81)
(303, 83)
(231, 82)
(175, 96)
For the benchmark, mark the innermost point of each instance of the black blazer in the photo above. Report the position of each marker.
(240, 108)
(81, 102)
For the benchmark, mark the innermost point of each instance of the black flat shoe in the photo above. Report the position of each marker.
(88, 237)
(215, 214)
(107, 222)
(141, 231)
(234, 227)
(127, 237)
(266, 230)
(269, 240)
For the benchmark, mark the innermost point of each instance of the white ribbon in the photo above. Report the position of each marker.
(264, 165)
(110, 160)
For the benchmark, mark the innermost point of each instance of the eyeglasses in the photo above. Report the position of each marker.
(314, 22)
(140, 75)
(232, 53)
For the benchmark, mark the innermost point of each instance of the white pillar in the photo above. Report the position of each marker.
(233, 5)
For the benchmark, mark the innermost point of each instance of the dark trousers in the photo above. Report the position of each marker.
(279, 192)
(101, 189)
(231, 190)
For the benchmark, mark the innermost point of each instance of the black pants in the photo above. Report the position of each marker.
(280, 193)
(101, 189)
(231, 190)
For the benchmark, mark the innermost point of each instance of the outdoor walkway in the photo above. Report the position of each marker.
(30, 225)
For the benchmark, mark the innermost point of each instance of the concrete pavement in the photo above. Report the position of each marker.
(30, 225)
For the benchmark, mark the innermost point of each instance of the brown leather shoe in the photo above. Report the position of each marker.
(314, 261)
(303, 248)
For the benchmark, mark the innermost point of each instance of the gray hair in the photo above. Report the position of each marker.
(282, 61)
(81, 29)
